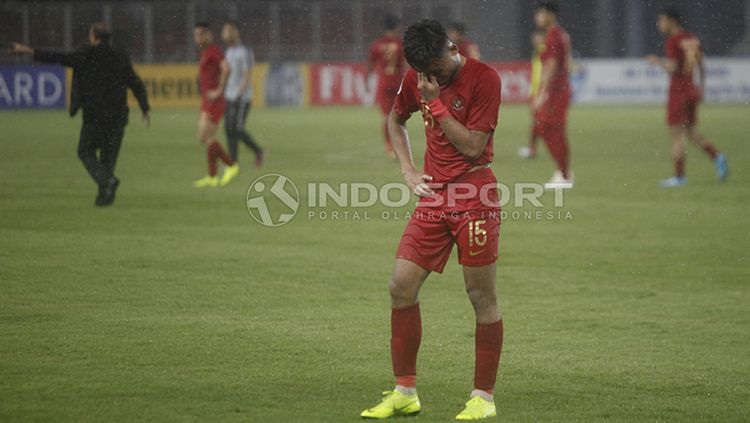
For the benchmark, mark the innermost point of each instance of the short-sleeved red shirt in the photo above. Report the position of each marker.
(473, 99)
(210, 68)
(386, 56)
(557, 46)
(685, 49)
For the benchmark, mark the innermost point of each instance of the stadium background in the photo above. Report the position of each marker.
(310, 52)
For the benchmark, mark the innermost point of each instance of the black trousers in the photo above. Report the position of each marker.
(98, 149)
(234, 125)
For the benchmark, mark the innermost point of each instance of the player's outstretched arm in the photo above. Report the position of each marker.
(670, 66)
(417, 181)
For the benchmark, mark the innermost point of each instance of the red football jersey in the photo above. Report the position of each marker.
(210, 68)
(557, 46)
(685, 49)
(473, 98)
(387, 59)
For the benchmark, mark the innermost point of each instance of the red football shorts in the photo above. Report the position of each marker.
(554, 111)
(682, 107)
(472, 224)
(215, 109)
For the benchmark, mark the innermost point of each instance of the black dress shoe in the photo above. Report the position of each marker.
(108, 193)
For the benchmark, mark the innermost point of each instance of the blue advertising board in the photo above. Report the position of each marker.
(32, 87)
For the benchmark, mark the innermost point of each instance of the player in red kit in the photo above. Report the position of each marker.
(459, 100)
(467, 47)
(386, 60)
(683, 56)
(553, 98)
(212, 79)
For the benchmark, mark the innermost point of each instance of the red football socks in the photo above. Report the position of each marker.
(406, 335)
(557, 142)
(213, 152)
(710, 149)
(221, 154)
(679, 168)
(489, 343)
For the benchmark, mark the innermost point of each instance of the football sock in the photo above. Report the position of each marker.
(558, 147)
(211, 154)
(221, 154)
(406, 335)
(406, 390)
(679, 168)
(484, 394)
(489, 343)
(709, 148)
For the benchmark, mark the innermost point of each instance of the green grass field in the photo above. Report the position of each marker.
(175, 305)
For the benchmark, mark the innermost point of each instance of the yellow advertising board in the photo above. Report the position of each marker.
(176, 85)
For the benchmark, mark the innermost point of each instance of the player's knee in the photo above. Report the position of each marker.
(401, 292)
(482, 299)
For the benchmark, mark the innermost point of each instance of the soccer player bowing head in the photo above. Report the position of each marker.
(459, 100)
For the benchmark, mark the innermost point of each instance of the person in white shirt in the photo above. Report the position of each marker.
(238, 91)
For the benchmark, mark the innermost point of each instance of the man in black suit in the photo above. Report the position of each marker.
(101, 77)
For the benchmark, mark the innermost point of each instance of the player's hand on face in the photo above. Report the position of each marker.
(419, 184)
(428, 86)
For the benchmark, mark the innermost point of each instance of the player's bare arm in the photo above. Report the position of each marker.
(469, 142)
(670, 66)
(418, 182)
(214, 94)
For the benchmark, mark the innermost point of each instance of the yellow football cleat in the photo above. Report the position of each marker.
(477, 408)
(394, 404)
(206, 181)
(229, 174)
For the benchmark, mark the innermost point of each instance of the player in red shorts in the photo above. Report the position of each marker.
(213, 76)
(459, 99)
(467, 47)
(386, 59)
(683, 56)
(552, 100)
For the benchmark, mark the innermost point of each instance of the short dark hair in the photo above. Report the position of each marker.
(232, 22)
(549, 6)
(203, 25)
(458, 27)
(391, 22)
(424, 42)
(671, 13)
(101, 31)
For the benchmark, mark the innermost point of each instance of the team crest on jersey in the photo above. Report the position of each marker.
(458, 102)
